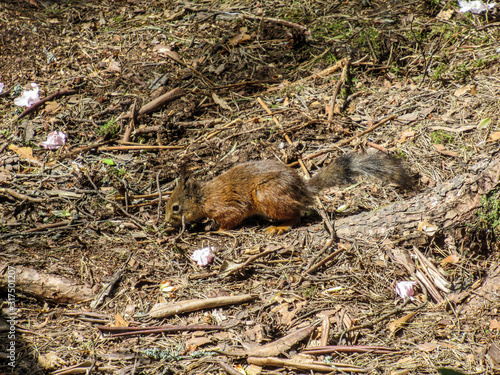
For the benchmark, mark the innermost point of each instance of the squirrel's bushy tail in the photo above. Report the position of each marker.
(343, 169)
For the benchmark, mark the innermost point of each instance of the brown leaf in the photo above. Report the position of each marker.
(428, 346)
(453, 258)
(409, 116)
(397, 324)
(463, 90)
(221, 102)
(444, 151)
(23, 152)
(166, 51)
(193, 343)
(114, 66)
(494, 324)
(52, 106)
(495, 136)
(494, 354)
(241, 37)
(406, 135)
(120, 321)
(445, 15)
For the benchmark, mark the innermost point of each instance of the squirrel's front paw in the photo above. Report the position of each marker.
(277, 230)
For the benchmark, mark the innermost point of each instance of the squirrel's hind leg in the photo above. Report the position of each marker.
(282, 227)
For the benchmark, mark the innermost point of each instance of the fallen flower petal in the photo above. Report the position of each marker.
(404, 289)
(203, 256)
(54, 140)
(28, 97)
(474, 7)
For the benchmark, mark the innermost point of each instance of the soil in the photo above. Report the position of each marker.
(86, 219)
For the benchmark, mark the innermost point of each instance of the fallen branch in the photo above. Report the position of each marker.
(328, 349)
(15, 194)
(43, 286)
(158, 102)
(278, 362)
(342, 79)
(128, 148)
(163, 310)
(274, 348)
(132, 331)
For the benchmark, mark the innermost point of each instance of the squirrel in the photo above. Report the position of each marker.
(270, 189)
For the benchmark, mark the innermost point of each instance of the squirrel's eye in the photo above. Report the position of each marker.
(175, 208)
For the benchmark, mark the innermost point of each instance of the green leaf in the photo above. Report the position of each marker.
(60, 213)
(484, 123)
(449, 371)
(108, 161)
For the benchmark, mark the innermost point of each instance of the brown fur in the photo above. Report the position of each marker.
(270, 189)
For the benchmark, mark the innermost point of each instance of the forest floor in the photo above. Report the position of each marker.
(84, 249)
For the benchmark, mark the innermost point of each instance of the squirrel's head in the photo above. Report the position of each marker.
(185, 202)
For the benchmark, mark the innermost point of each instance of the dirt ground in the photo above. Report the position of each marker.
(85, 252)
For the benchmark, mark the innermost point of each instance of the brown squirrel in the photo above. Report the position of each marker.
(270, 189)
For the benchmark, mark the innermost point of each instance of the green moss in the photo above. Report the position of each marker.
(489, 212)
(110, 127)
(441, 137)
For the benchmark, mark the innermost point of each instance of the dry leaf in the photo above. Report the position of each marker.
(428, 228)
(451, 259)
(221, 102)
(52, 106)
(195, 342)
(255, 334)
(463, 90)
(166, 51)
(50, 361)
(406, 135)
(23, 152)
(494, 353)
(397, 324)
(445, 15)
(428, 346)
(409, 117)
(495, 136)
(120, 322)
(241, 37)
(253, 370)
(114, 66)
(443, 151)
(494, 324)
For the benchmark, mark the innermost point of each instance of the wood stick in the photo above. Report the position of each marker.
(343, 76)
(278, 362)
(163, 310)
(127, 148)
(159, 102)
